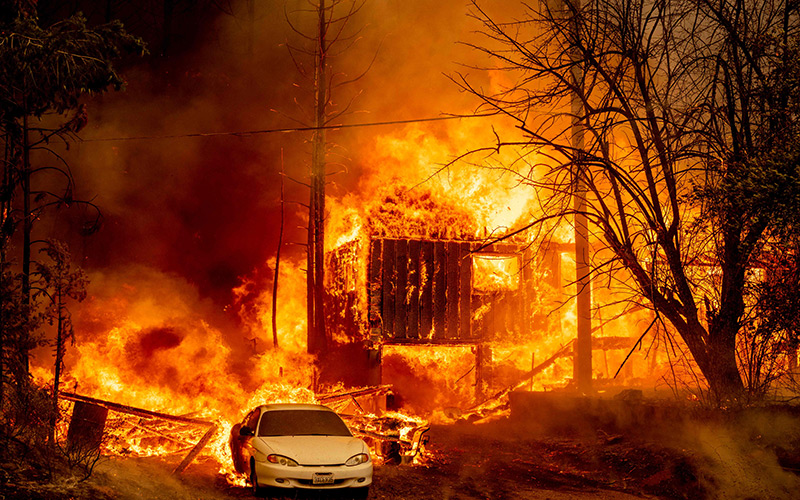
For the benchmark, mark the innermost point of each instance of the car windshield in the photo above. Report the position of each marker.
(302, 423)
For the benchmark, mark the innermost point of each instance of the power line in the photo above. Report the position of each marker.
(246, 133)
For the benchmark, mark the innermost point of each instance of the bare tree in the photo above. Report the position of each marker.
(684, 104)
(330, 38)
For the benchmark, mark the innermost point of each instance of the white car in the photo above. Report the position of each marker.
(286, 447)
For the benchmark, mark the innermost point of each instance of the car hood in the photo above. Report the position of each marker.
(313, 450)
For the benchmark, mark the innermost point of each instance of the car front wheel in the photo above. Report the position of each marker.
(257, 490)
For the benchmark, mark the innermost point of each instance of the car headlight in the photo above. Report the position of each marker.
(359, 459)
(281, 460)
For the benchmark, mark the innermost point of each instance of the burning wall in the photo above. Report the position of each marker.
(433, 291)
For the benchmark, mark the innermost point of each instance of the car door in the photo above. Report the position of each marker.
(240, 442)
(251, 424)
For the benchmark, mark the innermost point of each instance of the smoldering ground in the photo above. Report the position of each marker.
(710, 455)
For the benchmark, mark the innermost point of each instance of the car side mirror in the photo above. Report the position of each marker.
(246, 431)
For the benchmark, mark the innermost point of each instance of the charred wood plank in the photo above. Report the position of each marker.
(426, 289)
(374, 290)
(388, 287)
(412, 325)
(330, 398)
(465, 291)
(161, 434)
(453, 279)
(212, 429)
(439, 289)
(139, 412)
(401, 289)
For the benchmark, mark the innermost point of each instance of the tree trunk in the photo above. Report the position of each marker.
(723, 375)
(59, 361)
(5, 209)
(582, 368)
(317, 336)
(715, 354)
(27, 228)
(277, 267)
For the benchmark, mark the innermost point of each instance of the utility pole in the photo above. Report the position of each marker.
(582, 351)
(315, 274)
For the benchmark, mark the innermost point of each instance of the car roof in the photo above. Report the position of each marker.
(293, 406)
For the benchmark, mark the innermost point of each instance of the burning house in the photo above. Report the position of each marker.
(426, 292)
(501, 305)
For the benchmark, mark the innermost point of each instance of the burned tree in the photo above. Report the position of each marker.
(690, 155)
(331, 35)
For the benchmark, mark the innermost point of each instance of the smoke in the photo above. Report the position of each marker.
(190, 222)
(206, 208)
(739, 458)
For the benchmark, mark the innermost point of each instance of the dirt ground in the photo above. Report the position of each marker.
(489, 461)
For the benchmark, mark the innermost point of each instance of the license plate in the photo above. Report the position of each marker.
(322, 478)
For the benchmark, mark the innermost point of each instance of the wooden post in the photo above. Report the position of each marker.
(374, 366)
(483, 371)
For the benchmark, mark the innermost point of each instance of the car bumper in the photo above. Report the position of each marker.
(278, 476)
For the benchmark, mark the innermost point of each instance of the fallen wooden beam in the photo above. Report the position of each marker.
(139, 412)
(377, 435)
(164, 435)
(196, 450)
(330, 398)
